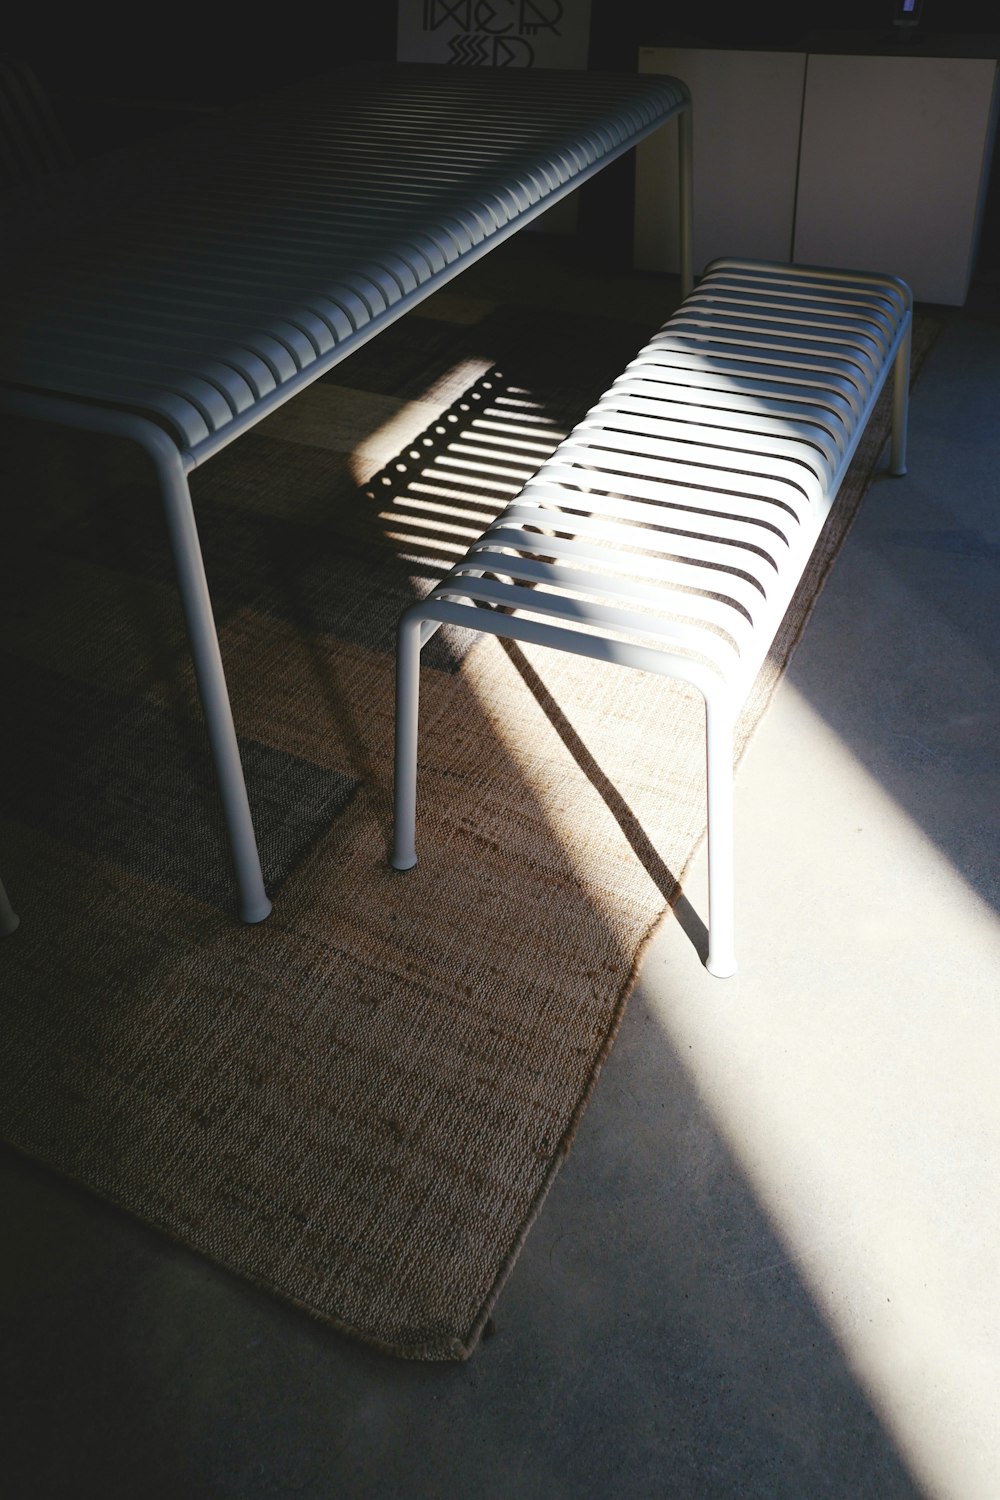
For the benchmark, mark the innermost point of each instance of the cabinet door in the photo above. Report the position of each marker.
(894, 163)
(746, 109)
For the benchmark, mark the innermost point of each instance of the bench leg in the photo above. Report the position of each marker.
(719, 723)
(252, 898)
(404, 852)
(900, 404)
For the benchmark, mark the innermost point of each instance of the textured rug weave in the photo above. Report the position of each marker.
(361, 1103)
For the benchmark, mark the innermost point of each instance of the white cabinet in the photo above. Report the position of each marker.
(879, 162)
(893, 167)
(746, 112)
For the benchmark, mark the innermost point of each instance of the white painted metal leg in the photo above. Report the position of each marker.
(685, 145)
(9, 919)
(252, 898)
(721, 959)
(900, 403)
(404, 853)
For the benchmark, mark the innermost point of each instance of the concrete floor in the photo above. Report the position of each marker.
(771, 1265)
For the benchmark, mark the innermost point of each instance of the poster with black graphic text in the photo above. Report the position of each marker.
(495, 33)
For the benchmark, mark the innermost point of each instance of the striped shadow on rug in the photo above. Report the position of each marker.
(361, 1103)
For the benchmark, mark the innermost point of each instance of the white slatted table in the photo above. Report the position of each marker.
(179, 296)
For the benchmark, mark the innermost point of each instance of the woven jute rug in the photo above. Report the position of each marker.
(361, 1103)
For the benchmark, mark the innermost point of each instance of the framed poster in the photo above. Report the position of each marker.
(500, 34)
(495, 33)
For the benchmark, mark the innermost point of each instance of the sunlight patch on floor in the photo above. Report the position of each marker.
(851, 1067)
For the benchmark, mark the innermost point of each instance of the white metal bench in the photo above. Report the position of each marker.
(178, 297)
(670, 529)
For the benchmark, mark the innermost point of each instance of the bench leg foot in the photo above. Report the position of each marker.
(721, 961)
(719, 968)
(404, 853)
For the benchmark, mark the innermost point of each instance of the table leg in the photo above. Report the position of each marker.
(252, 898)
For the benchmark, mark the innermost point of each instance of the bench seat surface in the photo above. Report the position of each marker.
(222, 266)
(670, 528)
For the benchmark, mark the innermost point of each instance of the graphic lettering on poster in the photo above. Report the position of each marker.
(495, 33)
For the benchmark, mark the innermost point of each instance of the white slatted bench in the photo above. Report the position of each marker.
(179, 297)
(671, 527)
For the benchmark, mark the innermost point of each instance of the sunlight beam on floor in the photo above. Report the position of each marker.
(851, 1067)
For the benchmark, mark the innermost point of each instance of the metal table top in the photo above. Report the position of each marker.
(204, 277)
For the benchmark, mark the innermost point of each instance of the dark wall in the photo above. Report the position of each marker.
(217, 54)
(779, 23)
(212, 54)
(117, 71)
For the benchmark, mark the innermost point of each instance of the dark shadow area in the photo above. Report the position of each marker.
(651, 861)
